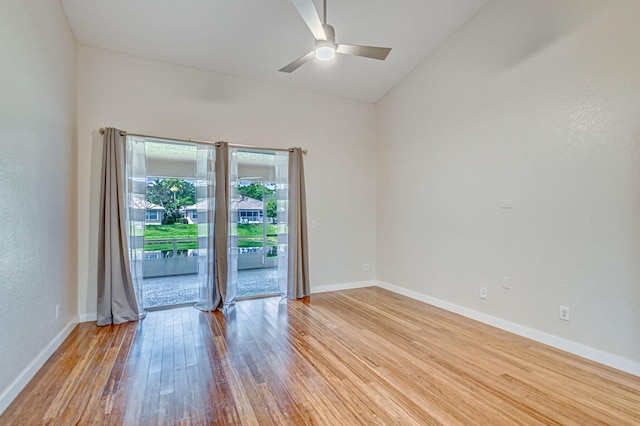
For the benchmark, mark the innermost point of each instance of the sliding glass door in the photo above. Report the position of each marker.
(255, 226)
(182, 262)
(170, 264)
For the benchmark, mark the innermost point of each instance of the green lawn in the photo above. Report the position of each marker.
(152, 233)
(169, 232)
(249, 235)
(255, 229)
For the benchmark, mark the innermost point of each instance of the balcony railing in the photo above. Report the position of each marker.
(178, 256)
(170, 248)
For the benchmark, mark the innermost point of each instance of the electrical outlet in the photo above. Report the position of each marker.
(58, 310)
(506, 282)
(366, 267)
(505, 204)
(483, 292)
(565, 313)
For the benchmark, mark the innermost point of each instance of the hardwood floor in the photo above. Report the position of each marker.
(363, 356)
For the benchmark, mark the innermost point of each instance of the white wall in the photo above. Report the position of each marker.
(37, 171)
(533, 103)
(162, 99)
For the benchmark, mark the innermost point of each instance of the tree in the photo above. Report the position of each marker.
(159, 191)
(256, 191)
(272, 210)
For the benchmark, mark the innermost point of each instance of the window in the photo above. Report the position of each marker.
(151, 215)
(194, 214)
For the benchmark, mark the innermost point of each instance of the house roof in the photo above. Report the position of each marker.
(244, 203)
(140, 202)
(151, 206)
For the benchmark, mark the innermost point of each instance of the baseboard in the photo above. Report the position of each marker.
(342, 286)
(92, 316)
(30, 370)
(566, 345)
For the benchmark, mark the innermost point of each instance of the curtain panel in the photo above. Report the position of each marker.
(282, 218)
(298, 285)
(121, 229)
(212, 187)
(205, 194)
(232, 223)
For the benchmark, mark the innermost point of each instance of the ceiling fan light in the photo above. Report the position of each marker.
(325, 52)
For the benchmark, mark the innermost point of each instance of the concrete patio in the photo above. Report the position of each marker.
(180, 289)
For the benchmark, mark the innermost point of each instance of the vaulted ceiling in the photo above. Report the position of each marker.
(255, 38)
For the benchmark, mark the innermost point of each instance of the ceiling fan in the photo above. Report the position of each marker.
(326, 46)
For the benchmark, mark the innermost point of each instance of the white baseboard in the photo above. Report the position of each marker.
(566, 345)
(12, 391)
(343, 286)
(93, 316)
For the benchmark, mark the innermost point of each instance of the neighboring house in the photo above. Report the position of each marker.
(191, 212)
(154, 214)
(249, 210)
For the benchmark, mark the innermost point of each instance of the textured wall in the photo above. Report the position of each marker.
(534, 104)
(157, 98)
(37, 172)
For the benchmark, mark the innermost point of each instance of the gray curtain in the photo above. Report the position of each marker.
(117, 302)
(223, 295)
(213, 225)
(298, 263)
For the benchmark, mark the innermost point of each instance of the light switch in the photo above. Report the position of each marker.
(506, 282)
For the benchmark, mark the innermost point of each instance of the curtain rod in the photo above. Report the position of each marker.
(233, 145)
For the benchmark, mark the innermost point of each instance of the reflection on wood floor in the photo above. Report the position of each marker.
(364, 356)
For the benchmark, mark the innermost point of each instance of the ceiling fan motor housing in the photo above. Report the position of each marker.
(326, 49)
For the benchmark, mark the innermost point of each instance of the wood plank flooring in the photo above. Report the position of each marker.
(365, 356)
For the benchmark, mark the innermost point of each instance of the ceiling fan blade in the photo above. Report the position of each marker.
(307, 11)
(298, 62)
(365, 51)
